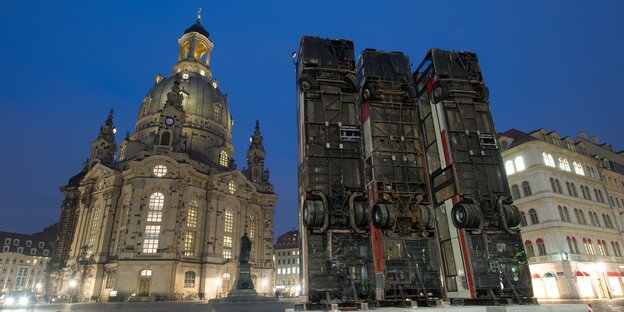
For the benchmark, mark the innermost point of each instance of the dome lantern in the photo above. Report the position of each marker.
(195, 48)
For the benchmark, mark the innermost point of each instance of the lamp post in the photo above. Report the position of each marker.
(72, 286)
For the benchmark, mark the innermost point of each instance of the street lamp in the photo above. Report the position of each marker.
(72, 286)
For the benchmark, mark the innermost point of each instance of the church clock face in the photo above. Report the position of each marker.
(256, 160)
(169, 121)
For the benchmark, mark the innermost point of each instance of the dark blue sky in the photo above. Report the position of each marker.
(551, 64)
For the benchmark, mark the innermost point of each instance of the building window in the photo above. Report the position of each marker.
(569, 189)
(22, 277)
(95, 226)
(541, 248)
(165, 137)
(570, 246)
(576, 250)
(145, 273)
(515, 191)
(46, 252)
(559, 190)
(189, 243)
(16, 242)
(110, 279)
(589, 248)
(570, 145)
(519, 161)
(616, 249)
(33, 251)
(566, 213)
(41, 244)
(602, 200)
(156, 202)
(578, 168)
(251, 229)
(150, 238)
(583, 220)
(528, 247)
(523, 220)
(20, 249)
(191, 217)
(227, 247)
(561, 215)
(223, 159)
(552, 185)
(7, 241)
(28, 243)
(6, 248)
(563, 164)
(509, 167)
(533, 216)
(548, 159)
(526, 187)
(573, 187)
(602, 248)
(217, 111)
(229, 221)
(189, 279)
(232, 187)
(159, 170)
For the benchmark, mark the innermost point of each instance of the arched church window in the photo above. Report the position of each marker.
(223, 159)
(189, 279)
(155, 207)
(191, 218)
(232, 187)
(217, 111)
(165, 137)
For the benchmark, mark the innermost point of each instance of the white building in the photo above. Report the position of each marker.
(287, 264)
(571, 230)
(24, 259)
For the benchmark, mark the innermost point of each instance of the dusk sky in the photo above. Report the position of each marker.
(551, 64)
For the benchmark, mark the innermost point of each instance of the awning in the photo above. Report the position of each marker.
(616, 274)
(535, 275)
(579, 273)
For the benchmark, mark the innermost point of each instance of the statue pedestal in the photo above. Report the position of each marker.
(244, 277)
(244, 290)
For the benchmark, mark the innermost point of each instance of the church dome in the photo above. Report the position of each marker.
(198, 28)
(204, 105)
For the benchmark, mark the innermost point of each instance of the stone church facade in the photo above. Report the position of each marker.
(164, 218)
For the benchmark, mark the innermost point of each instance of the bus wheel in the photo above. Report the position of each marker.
(511, 215)
(369, 92)
(351, 81)
(439, 92)
(383, 216)
(361, 214)
(308, 83)
(313, 213)
(466, 216)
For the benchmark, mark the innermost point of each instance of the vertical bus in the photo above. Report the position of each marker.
(405, 250)
(333, 212)
(482, 251)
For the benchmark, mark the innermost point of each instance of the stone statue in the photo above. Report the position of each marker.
(245, 249)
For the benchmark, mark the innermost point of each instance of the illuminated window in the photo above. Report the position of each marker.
(519, 161)
(22, 277)
(548, 159)
(146, 273)
(578, 168)
(191, 218)
(223, 159)
(232, 187)
(227, 247)
(189, 279)
(160, 170)
(189, 243)
(154, 213)
(570, 245)
(185, 76)
(229, 221)
(202, 72)
(150, 238)
(251, 227)
(217, 111)
(95, 226)
(563, 164)
(122, 152)
(509, 167)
